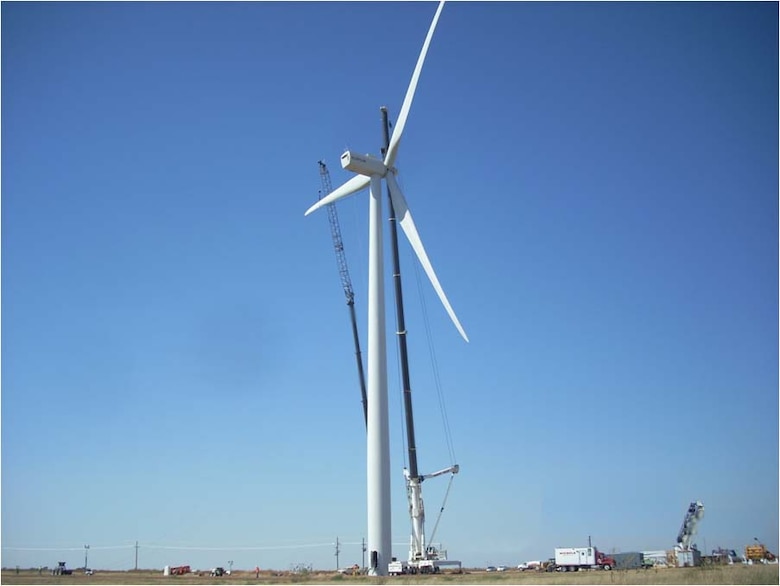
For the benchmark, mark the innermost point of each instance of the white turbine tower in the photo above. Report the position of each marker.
(370, 172)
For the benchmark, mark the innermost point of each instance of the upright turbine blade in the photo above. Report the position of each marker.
(354, 185)
(407, 224)
(392, 150)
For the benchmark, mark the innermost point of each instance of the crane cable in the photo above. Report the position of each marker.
(432, 353)
(441, 510)
(435, 369)
(440, 395)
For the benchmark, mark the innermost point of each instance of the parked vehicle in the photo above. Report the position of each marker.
(526, 566)
(629, 560)
(490, 569)
(571, 559)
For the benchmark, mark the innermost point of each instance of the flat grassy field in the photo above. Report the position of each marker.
(737, 574)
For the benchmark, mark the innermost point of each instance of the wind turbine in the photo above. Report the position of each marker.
(370, 172)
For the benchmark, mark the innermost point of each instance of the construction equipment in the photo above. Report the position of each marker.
(758, 552)
(688, 530)
(346, 282)
(180, 570)
(686, 554)
(725, 556)
(61, 570)
(423, 558)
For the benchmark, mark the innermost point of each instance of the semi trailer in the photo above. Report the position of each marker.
(571, 559)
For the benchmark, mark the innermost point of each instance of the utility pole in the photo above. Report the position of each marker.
(136, 556)
(86, 553)
(337, 553)
(364, 553)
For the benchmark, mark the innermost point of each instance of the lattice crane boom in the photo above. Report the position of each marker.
(335, 230)
(346, 282)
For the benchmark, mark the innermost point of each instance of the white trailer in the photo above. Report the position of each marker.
(574, 558)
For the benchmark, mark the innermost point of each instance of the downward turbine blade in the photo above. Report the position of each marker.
(392, 149)
(407, 225)
(354, 185)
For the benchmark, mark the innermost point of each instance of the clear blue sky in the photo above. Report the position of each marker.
(596, 184)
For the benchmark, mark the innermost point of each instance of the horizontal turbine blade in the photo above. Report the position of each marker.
(407, 225)
(392, 149)
(354, 185)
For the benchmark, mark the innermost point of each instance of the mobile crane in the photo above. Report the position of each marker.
(346, 282)
(687, 531)
(423, 558)
(687, 554)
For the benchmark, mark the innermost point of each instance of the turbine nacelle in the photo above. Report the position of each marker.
(363, 164)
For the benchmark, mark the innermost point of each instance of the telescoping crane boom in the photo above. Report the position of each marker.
(422, 557)
(692, 517)
(346, 282)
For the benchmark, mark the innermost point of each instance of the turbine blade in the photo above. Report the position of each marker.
(354, 185)
(392, 149)
(407, 224)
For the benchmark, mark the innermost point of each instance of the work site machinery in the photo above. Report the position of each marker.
(423, 557)
(757, 552)
(687, 553)
(346, 281)
(693, 515)
(61, 570)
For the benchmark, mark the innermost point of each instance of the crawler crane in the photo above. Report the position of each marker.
(687, 554)
(346, 282)
(688, 530)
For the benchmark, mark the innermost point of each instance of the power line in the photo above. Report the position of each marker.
(91, 547)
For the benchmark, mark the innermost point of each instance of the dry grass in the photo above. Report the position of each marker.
(738, 574)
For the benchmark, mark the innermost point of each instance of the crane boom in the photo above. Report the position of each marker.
(692, 517)
(335, 231)
(423, 556)
(346, 282)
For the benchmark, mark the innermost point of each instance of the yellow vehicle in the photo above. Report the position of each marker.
(758, 552)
